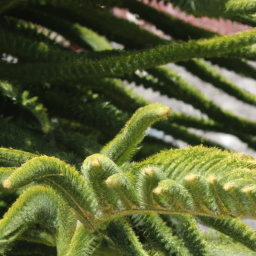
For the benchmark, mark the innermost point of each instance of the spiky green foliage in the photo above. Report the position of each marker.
(77, 211)
(63, 96)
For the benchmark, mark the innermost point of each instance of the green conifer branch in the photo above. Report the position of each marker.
(74, 32)
(26, 140)
(216, 8)
(181, 133)
(119, 184)
(247, 139)
(224, 247)
(14, 225)
(170, 194)
(83, 242)
(29, 103)
(5, 172)
(160, 236)
(115, 91)
(123, 97)
(129, 98)
(82, 107)
(178, 181)
(60, 219)
(7, 197)
(107, 248)
(142, 101)
(248, 53)
(24, 47)
(37, 110)
(128, 25)
(147, 180)
(96, 170)
(12, 157)
(226, 84)
(107, 113)
(173, 26)
(8, 89)
(198, 100)
(208, 125)
(123, 235)
(123, 146)
(56, 174)
(234, 228)
(190, 233)
(78, 127)
(218, 189)
(126, 97)
(197, 67)
(196, 185)
(113, 28)
(39, 236)
(27, 41)
(196, 122)
(127, 61)
(27, 30)
(239, 66)
(245, 19)
(185, 31)
(76, 142)
(211, 75)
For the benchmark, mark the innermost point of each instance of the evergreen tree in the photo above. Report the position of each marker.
(135, 195)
